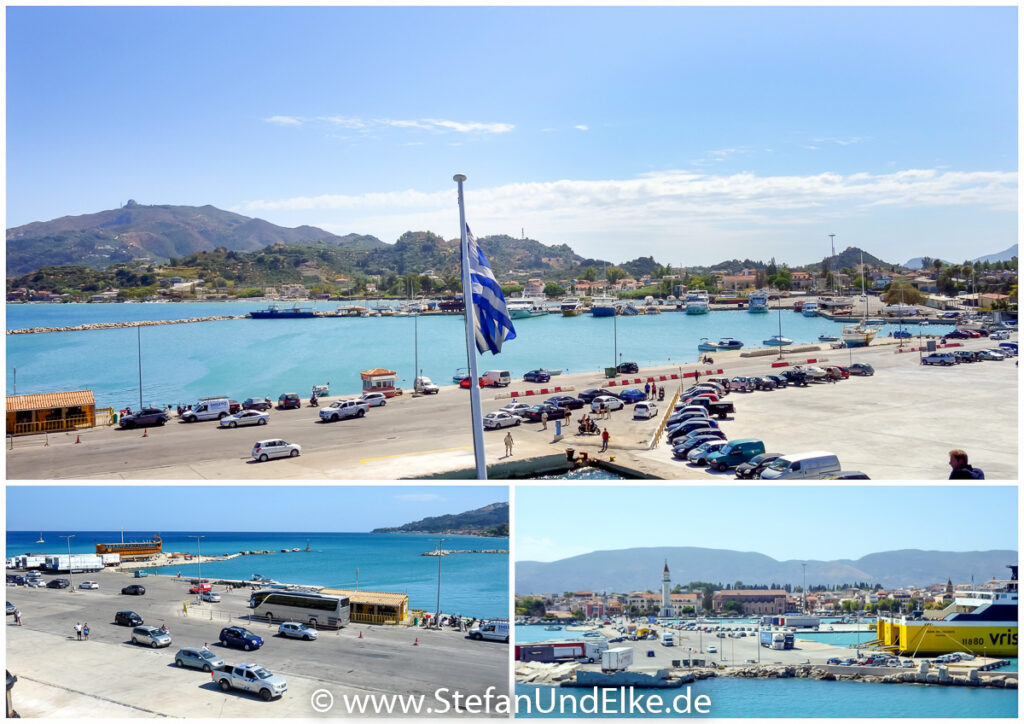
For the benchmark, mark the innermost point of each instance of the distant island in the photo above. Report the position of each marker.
(491, 521)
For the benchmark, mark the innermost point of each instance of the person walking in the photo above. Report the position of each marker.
(85, 631)
(17, 617)
(961, 469)
(647, 390)
(78, 630)
(568, 416)
(604, 440)
(544, 420)
(508, 444)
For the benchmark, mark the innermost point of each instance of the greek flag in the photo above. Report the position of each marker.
(493, 325)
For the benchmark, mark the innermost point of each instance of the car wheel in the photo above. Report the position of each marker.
(262, 421)
(160, 422)
(722, 467)
(293, 453)
(265, 694)
(334, 418)
(224, 685)
(153, 644)
(222, 415)
(179, 663)
(383, 402)
(264, 457)
(247, 647)
(518, 421)
(207, 668)
(360, 413)
(232, 424)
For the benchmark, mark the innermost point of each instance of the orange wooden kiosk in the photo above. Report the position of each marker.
(380, 380)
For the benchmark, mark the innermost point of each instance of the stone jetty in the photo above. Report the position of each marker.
(121, 325)
(924, 674)
(448, 553)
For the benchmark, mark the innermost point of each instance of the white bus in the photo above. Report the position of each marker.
(313, 609)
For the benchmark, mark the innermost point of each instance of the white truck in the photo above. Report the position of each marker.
(110, 559)
(75, 563)
(667, 639)
(618, 659)
(343, 409)
(251, 678)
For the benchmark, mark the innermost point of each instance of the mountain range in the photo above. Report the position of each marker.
(1004, 255)
(639, 569)
(490, 520)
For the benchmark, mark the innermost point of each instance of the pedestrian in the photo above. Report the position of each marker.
(508, 444)
(568, 416)
(206, 647)
(696, 375)
(647, 390)
(85, 631)
(78, 630)
(544, 420)
(654, 390)
(962, 470)
(17, 617)
(604, 440)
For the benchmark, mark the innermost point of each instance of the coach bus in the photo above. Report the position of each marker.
(313, 609)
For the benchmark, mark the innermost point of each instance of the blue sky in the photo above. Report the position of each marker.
(316, 508)
(690, 134)
(786, 523)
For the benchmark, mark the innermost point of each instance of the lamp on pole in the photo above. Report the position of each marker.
(199, 562)
(139, 331)
(615, 326)
(71, 579)
(803, 589)
(437, 610)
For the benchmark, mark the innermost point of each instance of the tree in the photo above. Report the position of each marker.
(552, 289)
(900, 292)
(589, 274)
(709, 596)
(614, 274)
(732, 607)
(688, 609)
(579, 615)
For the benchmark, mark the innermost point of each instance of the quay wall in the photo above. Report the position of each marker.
(123, 325)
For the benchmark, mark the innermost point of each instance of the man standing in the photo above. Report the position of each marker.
(508, 444)
(961, 469)
(604, 440)
(544, 420)
(647, 390)
(78, 630)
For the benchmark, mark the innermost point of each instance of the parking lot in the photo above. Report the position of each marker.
(108, 676)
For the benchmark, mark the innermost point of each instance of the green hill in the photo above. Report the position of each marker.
(491, 520)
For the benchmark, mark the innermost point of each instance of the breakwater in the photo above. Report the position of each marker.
(448, 553)
(939, 675)
(123, 325)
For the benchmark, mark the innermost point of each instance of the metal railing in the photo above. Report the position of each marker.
(373, 618)
(67, 423)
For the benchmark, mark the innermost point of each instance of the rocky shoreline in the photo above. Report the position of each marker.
(122, 325)
(938, 676)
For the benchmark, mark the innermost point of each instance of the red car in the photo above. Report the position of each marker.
(973, 334)
(464, 382)
(206, 588)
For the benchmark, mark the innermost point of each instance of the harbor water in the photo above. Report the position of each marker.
(245, 357)
(472, 584)
(795, 698)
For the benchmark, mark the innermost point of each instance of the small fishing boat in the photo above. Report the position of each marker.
(757, 302)
(727, 343)
(552, 373)
(630, 310)
(798, 305)
(552, 628)
(603, 307)
(901, 334)
(810, 309)
(777, 340)
(460, 373)
(706, 345)
(322, 390)
(828, 338)
(526, 308)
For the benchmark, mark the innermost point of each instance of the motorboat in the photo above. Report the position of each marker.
(552, 628)
(706, 345)
(526, 308)
(727, 343)
(777, 340)
(571, 307)
(757, 302)
(275, 312)
(828, 338)
(810, 309)
(697, 302)
(603, 307)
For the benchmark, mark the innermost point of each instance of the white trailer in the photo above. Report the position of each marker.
(31, 561)
(75, 563)
(111, 559)
(618, 659)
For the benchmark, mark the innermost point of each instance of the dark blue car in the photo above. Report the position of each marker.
(632, 395)
(240, 638)
(537, 376)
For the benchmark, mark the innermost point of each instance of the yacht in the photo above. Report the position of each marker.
(571, 307)
(810, 309)
(526, 308)
(697, 302)
(757, 303)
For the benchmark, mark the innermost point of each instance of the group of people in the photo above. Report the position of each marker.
(587, 425)
(82, 630)
(651, 391)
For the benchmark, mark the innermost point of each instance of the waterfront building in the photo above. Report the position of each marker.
(50, 412)
(752, 602)
(379, 607)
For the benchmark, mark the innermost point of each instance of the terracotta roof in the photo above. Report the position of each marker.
(49, 400)
(377, 372)
(380, 598)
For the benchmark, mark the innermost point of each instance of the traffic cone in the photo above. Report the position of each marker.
(360, 634)
(78, 440)
(416, 642)
(145, 433)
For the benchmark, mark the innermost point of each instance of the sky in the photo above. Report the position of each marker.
(313, 508)
(783, 522)
(685, 133)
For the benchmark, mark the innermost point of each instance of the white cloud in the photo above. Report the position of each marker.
(284, 120)
(581, 127)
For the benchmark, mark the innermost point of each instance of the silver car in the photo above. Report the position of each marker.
(295, 630)
(266, 449)
(245, 417)
(374, 399)
(198, 659)
(150, 636)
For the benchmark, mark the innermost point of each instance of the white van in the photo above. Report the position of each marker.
(667, 639)
(496, 378)
(208, 410)
(807, 466)
(491, 630)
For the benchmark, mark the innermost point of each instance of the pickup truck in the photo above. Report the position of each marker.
(252, 678)
(343, 409)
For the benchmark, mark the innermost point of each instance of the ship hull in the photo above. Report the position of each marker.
(931, 638)
(603, 311)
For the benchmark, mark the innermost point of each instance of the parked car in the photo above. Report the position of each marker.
(753, 467)
(678, 436)
(245, 417)
(991, 354)
(295, 630)
(11, 608)
(734, 453)
(684, 445)
(276, 448)
(150, 636)
(210, 597)
(145, 416)
(424, 386)
(197, 659)
(644, 411)
(515, 408)
(682, 416)
(741, 384)
(838, 372)
(590, 393)
(956, 334)
(628, 368)
(536, 376)
(795, 377)
(631, 395)
(965, 355)
(289, 401)
(939, 358)
(573, 403)
(535, 413)
(692, 424)
(196, 588)
(344, 409)
(16, 579)
(845, 475)
(498, 420)
(89, 585)
(374, 399)
(763, 383)
(58, 583)
(699, 455)
(240, 638)
(612, 403)
(465, 383)
(133, 590)
(862, 368)
(712, 649)
(814, 373)
(127, 618)
(252, 403)
(779, 380)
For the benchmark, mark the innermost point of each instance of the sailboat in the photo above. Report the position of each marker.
(777, 340)
(860, 334)
(40, 538)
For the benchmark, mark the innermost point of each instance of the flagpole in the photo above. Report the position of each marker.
(474, 377)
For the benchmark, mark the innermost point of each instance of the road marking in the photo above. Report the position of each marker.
(423, 452)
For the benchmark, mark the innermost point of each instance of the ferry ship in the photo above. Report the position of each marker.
(757, 303)
(982, 622)
(603, 307)
(275, 312)
(133, 550)
(697, 302)
(571, 307)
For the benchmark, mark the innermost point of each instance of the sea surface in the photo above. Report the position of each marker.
(247, 357)
(792, 698)
(471, 584)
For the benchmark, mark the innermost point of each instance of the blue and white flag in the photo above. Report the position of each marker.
(493, 325)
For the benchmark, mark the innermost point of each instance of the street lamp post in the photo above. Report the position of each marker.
(199, 562)
(71, 577)
(437, 610)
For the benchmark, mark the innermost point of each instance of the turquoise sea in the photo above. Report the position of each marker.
(793, 698)
(245, 357)
(471, 584)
